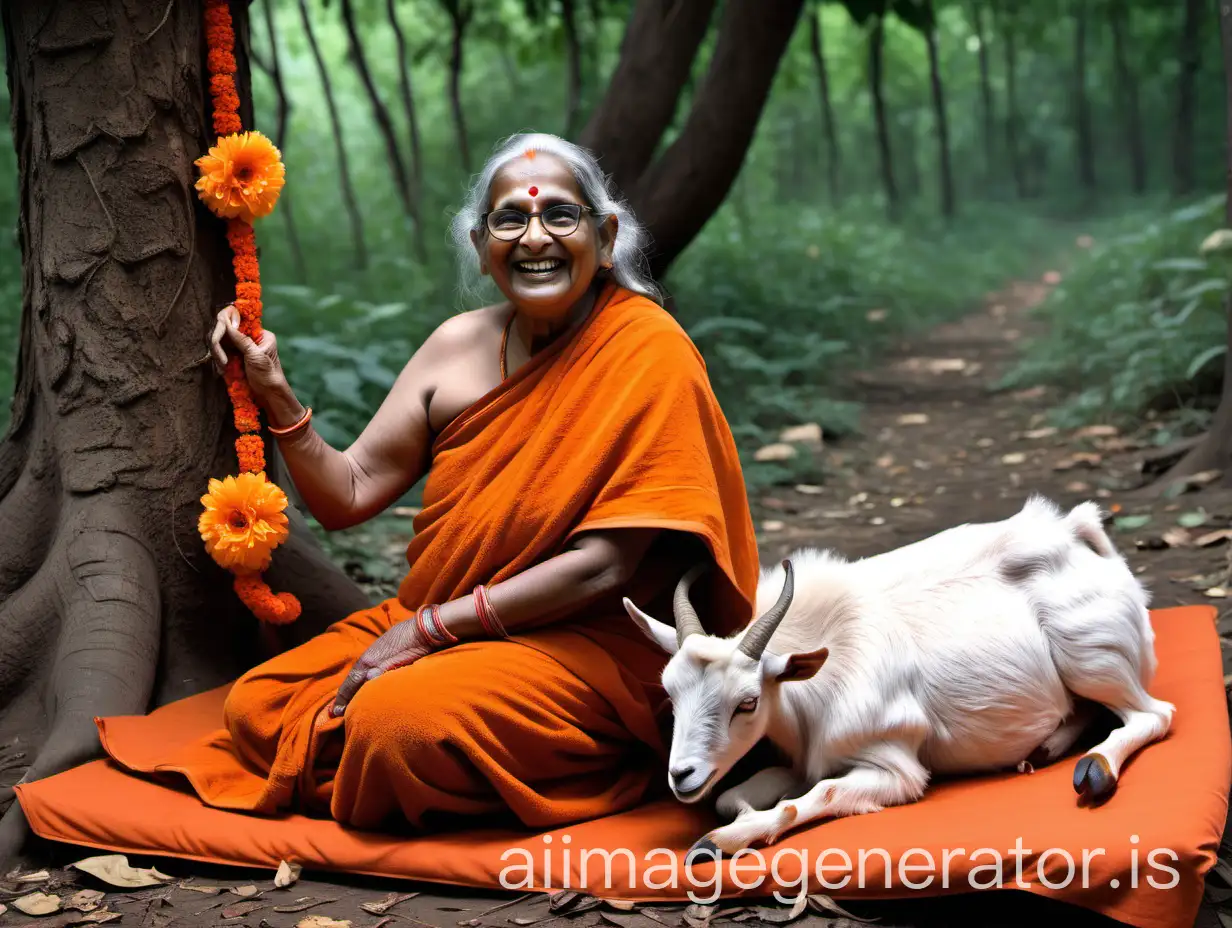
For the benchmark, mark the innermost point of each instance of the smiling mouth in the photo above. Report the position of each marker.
(544, 267)
(695, 792)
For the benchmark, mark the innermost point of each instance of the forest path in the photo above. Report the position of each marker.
(939, 445)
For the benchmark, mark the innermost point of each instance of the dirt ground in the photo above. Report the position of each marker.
(939, 446)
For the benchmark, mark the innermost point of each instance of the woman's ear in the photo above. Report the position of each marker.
(607, 240)
(483, 262)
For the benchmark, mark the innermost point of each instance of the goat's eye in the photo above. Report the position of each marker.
(748, 704)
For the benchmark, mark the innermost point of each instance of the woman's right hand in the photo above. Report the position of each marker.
(261, 365)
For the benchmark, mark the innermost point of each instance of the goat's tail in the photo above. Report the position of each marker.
(1086, 522)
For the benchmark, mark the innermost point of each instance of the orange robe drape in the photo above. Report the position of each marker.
(614, 426)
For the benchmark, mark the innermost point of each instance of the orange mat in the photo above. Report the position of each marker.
(1146, 850)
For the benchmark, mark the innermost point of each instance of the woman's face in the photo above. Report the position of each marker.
(542, 267)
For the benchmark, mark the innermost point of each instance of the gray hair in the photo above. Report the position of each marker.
(629, 266)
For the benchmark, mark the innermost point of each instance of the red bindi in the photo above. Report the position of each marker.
(533, 191)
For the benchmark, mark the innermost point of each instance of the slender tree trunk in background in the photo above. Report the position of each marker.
(942, 127)
(280, 139)
(109, 603)
(987, 117)
(384, 125)
(876, 45)
(460, 13)
(656, 57)
(1127, 95)
(335, 123)
(1012, 149)
(679, 193)
(1215, 451)
(817, 49)
(1190, 58)
(406, 88)
(1082, 107)
(904, 140)
(573, 52)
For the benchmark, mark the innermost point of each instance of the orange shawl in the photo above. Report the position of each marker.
(613, 426)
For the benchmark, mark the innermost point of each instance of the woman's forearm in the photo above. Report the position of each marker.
(322, 474)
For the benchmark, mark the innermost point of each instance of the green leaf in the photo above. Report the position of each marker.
(1191, 519)
(1203, 359)
(1128, 523)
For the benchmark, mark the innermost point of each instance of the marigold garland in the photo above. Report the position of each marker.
(240, 180)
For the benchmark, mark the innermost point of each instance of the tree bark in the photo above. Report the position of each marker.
(1127, 95)
(1082, 107)
(876, 48)
(110, 604)
(680, 192)
(350, 203)
(1012, 149)
(407, 90)
(460, 13)
(1189, 55)
(942, 127)
(573, 53)
(987, 116)
(817, 49)
(656, 57)
(280, 139)
(1214, 452)
(385, 125)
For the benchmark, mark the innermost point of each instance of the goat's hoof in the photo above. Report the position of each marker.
(704, 847)
(1093, 778)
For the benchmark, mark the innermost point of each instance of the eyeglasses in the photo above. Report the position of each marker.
(511, 224)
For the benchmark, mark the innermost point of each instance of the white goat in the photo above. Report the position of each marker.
(960, 653)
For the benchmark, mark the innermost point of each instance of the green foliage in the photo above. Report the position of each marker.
(1139, 323)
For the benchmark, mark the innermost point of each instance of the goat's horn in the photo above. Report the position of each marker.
(759, 633)
(687, 622)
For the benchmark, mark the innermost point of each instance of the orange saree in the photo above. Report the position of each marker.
(615, 426)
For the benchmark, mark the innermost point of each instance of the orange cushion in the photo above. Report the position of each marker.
(1173, 796)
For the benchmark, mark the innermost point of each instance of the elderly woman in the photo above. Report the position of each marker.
(574, 454)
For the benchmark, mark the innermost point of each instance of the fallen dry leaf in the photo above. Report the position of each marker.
(876, 315)
(86, 901)
(772, 525)
(1097, 431)
(776, 452)
(1014, 457)
(807, 489)
(384, 905)
(115, 870)
(1084, 458)
(1213, 538)
(913, 418)
(303, 903)
(244, 891)
(622, 905)
(808, 433)
(1077, 486)
(322, 921)
(37, 904)
(1035, 434)
(204, 890)
(92, 918)
(1177, 538)
(241, 909)
(287, 874)
(37, 876)
(406, 511)
(1216, 592)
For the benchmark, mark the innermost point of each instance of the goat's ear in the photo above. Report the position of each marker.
(787, 668)
(660, 633)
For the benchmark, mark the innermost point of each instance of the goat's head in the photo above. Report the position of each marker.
(720, 688)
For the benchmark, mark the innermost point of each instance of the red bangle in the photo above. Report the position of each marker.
(292, 429)
(444, 635)
(487, 615)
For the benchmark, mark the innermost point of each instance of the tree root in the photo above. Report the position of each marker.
(105, 588)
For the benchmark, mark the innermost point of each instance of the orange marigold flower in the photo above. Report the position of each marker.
(274, 608)
(247, 290)
(243, 521)
(242, 176)
(250, 450)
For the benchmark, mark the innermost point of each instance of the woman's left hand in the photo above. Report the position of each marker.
(401, 645)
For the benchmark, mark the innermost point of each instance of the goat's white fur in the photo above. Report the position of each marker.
(960, 653)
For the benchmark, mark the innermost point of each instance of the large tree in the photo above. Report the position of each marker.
(109, 603)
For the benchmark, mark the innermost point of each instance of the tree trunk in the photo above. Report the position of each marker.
(987, 117)
(460, 12)
(1082, 107)
(1214, 452)
(573, 50)
(679, 193)
(656, 57)
(1127, 96)
(1012, 150)
(876, 48)
(408, 102)
(1190, 57)
(344, 170)
(280, 139)
(110, 603)
(942, 128)
(817, 48)
(385, 125)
